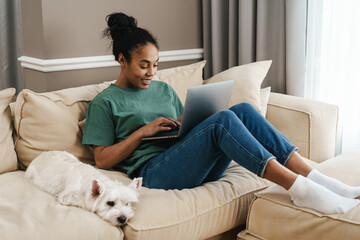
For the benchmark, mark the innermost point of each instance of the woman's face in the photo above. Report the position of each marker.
(142, 68)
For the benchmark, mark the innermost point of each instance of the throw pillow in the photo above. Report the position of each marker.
(183, 77)
(8, 158)
(49, 121)
(248, 79)
(81, 128)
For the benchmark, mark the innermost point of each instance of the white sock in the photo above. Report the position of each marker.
(306, 193)
(334, 185)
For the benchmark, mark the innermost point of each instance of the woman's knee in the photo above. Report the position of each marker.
(242, 107)
(223, 120)
(224, 115)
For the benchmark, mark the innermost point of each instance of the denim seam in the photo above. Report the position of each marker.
(270, 146)
(260, 161)
(283, 156)
(264, 163)
(288, 154)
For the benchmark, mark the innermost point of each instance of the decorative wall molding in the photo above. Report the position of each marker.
(65, 64)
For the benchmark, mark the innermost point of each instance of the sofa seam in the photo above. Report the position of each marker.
(299, 209)
(176, 73)
(56, 101)
(20, 164)
(248, 214)
(251, 234)
(20, 120)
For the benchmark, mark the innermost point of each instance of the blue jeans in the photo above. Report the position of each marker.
(240, 133)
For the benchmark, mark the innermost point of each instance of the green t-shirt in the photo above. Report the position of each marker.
(115, 113)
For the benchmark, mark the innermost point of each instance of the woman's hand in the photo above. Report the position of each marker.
(158, 125)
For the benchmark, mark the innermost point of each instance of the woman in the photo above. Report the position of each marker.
(136, 107)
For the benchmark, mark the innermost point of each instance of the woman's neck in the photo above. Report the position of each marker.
(121, 81)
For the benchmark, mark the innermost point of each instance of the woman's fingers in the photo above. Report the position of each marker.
(158, 125)
(168, 122)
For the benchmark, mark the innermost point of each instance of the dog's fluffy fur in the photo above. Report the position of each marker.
(77, 184)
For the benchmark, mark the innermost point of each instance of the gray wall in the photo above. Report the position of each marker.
(54, 29)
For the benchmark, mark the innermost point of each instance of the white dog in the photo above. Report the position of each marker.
(77, 184)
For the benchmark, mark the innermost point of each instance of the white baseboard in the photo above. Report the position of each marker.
(65, 64)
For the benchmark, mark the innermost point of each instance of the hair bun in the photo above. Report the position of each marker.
(120, 20)
(126, 36)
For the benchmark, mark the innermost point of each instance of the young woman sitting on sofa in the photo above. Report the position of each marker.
(136, 107)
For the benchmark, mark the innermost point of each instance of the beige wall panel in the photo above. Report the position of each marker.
(32, 27)
(54, 29)
(73, 28)
(35, 81)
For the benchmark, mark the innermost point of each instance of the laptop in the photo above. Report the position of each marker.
(201, 102)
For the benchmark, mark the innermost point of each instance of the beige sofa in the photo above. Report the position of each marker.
(216, 210)
(272, 215)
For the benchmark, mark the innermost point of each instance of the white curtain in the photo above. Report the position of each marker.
(333, 63)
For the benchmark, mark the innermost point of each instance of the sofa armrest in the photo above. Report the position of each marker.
(309, 124)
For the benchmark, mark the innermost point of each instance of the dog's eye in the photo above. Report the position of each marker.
(111, 203)
(127, 204)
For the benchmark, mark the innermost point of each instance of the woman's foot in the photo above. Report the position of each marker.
(334, 185)
(309, 194)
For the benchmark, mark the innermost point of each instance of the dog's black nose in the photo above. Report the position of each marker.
(121, 219)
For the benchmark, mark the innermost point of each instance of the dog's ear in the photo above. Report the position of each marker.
(95, 190)
(136, 184)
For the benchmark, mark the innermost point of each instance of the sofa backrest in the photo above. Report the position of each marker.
(50, 121)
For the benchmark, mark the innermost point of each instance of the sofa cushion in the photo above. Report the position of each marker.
(197, 213)
(273, 210)
(193, 213)
(8, 159)
(49, 121)
(248, 79)
(186, 214)
(29, 213)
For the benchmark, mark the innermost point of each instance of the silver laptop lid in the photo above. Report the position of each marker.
(203, 101)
